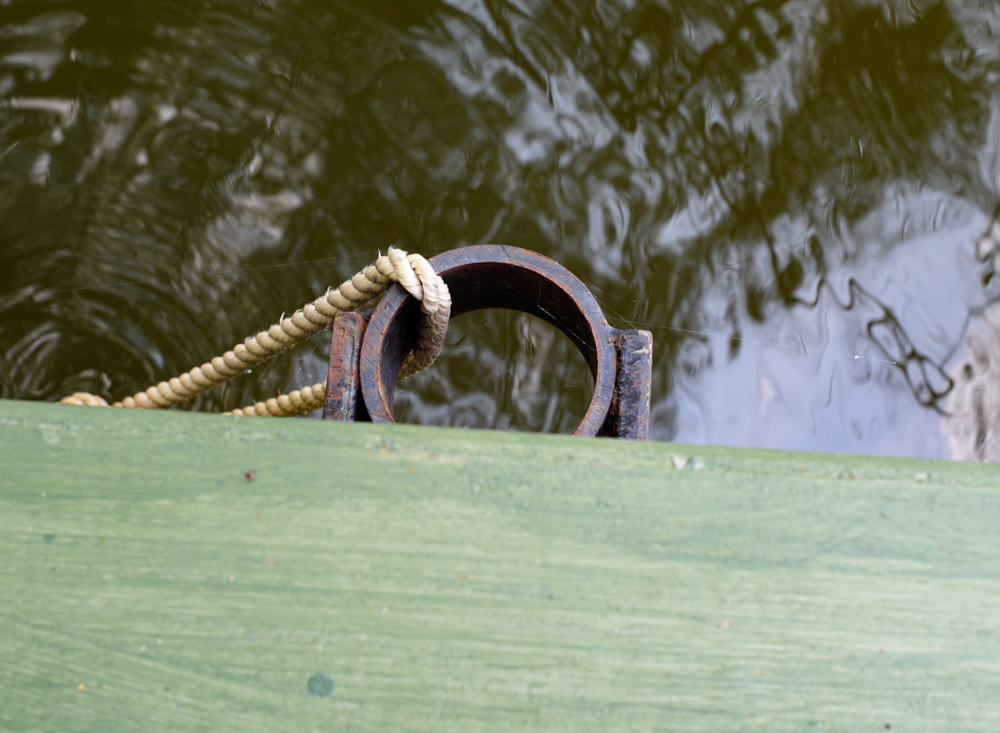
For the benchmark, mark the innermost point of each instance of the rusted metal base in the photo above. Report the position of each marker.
(366, 354)
(343, 398)
(629, 414)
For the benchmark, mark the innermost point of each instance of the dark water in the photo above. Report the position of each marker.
(791, 195)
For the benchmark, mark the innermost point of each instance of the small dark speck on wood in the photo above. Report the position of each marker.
(320, 685)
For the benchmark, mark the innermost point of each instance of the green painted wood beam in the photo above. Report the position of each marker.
(451, 580)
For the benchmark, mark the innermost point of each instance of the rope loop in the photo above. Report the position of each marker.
(411, 271)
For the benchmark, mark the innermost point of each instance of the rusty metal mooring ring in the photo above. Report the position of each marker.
(490, 276)
(494, 276)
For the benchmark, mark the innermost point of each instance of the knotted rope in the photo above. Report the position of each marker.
(411, 271)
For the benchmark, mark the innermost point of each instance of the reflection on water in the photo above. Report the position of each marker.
(796, 196)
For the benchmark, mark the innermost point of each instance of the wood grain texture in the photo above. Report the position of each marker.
(453, 580)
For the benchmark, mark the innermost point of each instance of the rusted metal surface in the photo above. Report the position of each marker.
(494, 276)
(629, 414)
(343, 396)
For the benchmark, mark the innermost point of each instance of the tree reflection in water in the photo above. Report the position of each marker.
(788, 194)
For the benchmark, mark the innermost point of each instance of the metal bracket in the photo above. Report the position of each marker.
(367, 349)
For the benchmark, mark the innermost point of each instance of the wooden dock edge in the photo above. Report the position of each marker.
(171, 571)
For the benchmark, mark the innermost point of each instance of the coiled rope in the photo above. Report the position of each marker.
(411, 271)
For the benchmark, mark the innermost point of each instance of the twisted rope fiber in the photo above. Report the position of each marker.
(411, 271)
